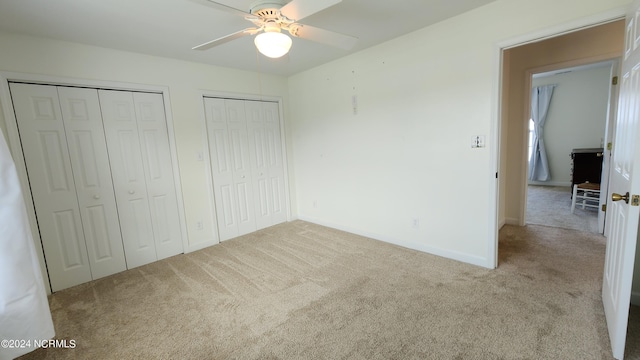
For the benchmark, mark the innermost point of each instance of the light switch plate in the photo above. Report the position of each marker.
(478, 141)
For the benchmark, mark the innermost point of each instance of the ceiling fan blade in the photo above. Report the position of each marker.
(300, 9)
(223, 7)
(325, 37)
(225, 39)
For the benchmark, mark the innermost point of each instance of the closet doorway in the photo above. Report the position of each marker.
(101, 178)
(247, 164)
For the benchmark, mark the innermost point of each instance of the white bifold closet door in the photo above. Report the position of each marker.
(231, 171)
(265, 152)
(138, 143)
(65, 152)
(101, 176)
(246, 165)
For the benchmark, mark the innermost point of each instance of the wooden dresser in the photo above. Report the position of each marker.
(586, 165)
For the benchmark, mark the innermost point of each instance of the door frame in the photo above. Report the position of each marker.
(497, 105)
(204, 154)
(15, 146)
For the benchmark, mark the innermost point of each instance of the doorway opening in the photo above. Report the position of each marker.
(597, 44)
(601, 43)
(576, 129)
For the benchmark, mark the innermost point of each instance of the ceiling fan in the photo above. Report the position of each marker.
(271, 17)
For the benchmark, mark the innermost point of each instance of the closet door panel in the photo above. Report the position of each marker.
(127, 168)
(266, 158)
(275, 162)
(45, 149)
(221, 168)
(241, 164)
(245, 211)
(94, 188)
(241, 176)
(263, 204)
(228, 210)
(259, 165)
(278, 208)
(67, 228)
(161, 189)
(264, 201)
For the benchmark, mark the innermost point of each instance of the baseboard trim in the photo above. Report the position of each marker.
(201, 245)
(512, 221)
(635, 298)
(551, 183)
(453, 255)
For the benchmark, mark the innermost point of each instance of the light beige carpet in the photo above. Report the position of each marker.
(302, 291)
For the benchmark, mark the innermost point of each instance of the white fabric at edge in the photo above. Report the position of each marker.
(24, 309)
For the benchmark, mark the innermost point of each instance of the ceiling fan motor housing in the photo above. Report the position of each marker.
(267, 8)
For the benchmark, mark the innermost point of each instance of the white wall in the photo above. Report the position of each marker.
(185, 81)
(406, 154)
(576, 119)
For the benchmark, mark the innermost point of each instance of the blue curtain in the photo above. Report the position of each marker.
(540, 101)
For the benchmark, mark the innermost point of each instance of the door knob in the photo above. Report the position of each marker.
(131, 192)
(96, 197)
(618, 197)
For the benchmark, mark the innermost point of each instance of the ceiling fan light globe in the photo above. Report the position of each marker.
(273, 44)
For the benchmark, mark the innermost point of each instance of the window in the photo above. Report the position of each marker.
(531, 134)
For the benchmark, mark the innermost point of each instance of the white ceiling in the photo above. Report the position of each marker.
(170, 28)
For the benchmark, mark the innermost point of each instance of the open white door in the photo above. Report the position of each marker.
(612, 113)
(623, 211)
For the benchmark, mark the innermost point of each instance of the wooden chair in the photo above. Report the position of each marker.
(586, 195)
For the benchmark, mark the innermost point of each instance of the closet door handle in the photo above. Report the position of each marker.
(132, 192)
(96, 197)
